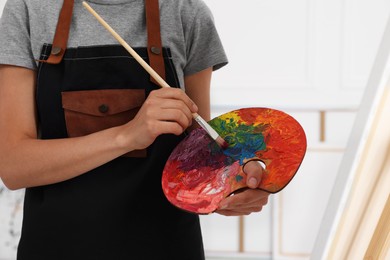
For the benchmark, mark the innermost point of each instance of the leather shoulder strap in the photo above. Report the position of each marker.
(62, 33)
(155, 54)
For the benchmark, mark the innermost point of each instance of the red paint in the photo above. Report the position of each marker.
(199, 174)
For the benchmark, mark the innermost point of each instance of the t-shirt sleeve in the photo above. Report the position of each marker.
(15, 44)
(204, 47)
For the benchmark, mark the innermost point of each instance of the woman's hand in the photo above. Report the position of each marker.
(243, 202)
(165, 111)
(27, 161)
(249, 200)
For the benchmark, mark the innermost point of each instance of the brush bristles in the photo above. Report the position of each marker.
(222, 143)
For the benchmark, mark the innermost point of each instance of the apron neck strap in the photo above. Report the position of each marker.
(155, 53)
(62, 33)
(156, 60)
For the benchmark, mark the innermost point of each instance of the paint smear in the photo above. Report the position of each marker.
(199, 174)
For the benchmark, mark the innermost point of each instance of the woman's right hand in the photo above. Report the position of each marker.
(27, 161)
(165, 111)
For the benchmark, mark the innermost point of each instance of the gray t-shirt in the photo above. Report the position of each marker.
(187, 28)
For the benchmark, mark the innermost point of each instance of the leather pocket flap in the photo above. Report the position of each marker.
(103, 102)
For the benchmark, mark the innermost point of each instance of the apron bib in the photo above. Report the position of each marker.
(118, 210)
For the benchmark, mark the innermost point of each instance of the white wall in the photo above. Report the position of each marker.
(310, 58)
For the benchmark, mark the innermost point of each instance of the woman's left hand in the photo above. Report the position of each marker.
(249, 200)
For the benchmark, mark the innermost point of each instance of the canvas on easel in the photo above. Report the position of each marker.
(359, 198)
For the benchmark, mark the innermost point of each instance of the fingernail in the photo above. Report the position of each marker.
(194, 107)
(252, 182)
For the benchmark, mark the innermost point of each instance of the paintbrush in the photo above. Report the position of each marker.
(212, 133)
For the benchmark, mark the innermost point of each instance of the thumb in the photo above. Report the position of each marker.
(254, 172)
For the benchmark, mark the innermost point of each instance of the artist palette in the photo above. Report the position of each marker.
(199, 173)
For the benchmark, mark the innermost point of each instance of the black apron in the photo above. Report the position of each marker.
(118, 210)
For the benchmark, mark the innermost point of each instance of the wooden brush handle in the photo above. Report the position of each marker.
(141, 61)
(151, 71)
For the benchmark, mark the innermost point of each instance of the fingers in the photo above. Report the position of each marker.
(177, 94)
(165, 111)
(243, 203)
(171, 105)
(254, 172)
(233, 213)
(249, 200)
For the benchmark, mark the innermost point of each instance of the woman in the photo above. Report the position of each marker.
(97, 194)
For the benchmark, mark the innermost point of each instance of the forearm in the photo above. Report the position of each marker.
(26, 161)
(198, 89)
(31, 162)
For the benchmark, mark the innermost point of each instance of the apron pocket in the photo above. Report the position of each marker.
(89, 111)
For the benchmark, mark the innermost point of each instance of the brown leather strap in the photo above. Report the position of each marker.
(156, 60)
(155, 53)
(62, 33)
